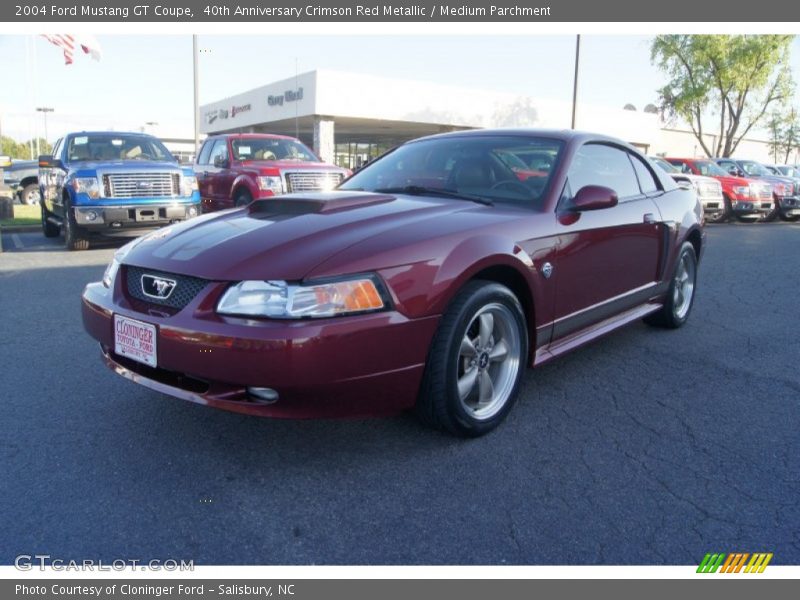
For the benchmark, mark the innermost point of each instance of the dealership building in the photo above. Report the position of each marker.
(348, 118)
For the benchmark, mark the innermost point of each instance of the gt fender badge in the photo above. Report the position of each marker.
(547, 270)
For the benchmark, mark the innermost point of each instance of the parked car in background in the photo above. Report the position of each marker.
(430, 279)
(708, 189)
(791, 213)
(22, 176)
(786, 202)
(109, 183)
(745, 199)
(235, 169)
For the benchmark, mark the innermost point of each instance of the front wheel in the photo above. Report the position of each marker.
(773, 214)
(243, 198)
(74, 237)
(724, 214)
(680, 297)
(476, 361)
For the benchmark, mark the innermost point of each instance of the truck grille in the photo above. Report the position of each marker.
(761, 191)
(710, 190)
(141, 185)
(312, 181)
(186, 287)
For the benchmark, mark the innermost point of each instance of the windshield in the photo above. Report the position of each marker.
(271, 149)
(116, 147)
(710, 169)
(669, 168)
(754, 168)
(495, 168)
(789, 171)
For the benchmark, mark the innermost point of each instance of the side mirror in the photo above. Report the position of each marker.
(5, 161)
(220, 162)
(47, 161)
(594, 197)
(733, 171)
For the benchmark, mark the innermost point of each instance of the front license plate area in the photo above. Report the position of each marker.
(147, 214)
(135, 340)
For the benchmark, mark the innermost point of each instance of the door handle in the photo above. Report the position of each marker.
(649, 218)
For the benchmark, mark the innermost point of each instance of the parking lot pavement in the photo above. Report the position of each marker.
(648, 447)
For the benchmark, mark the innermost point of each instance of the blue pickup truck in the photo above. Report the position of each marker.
(98, 184)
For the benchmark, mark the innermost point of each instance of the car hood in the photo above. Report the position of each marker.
(286, 237)
(290, 164)
(123, 165)
(730, 180)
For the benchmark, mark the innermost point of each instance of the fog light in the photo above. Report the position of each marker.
(263, 395)
(192, 212)
(90, 215)
(116, 224)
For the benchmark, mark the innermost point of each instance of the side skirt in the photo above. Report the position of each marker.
(595, 331)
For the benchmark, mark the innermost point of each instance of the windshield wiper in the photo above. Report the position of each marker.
(419, 190)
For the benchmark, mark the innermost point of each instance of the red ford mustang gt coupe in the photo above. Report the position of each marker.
(428, 280)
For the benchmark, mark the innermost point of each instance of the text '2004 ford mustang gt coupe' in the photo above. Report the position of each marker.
(430, 279)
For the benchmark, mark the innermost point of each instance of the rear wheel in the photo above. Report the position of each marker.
(476, 361)
(30, 194)
(49, 229)
(243, 198)
(680, 297)
(74, 237)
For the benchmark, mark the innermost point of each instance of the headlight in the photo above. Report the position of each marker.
(119, 255)
(87, 185)
(742, 190)
(281, 300)
(779, 189)
(271, 184)
(188, 185)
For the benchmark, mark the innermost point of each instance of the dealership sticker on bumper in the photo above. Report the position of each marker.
(135, 340)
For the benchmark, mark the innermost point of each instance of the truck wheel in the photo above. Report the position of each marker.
(475, 362)
(48, 229)
(724, 214)
(30, 194)
(74, 237)
(773, 214)
(789, 218)
(243, 198)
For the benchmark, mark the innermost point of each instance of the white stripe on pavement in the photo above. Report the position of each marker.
(17, 242)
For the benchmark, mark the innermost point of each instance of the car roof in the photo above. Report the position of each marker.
(263, 136)
(565, 135)
(133, 133)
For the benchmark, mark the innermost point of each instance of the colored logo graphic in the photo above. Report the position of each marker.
(735, 562)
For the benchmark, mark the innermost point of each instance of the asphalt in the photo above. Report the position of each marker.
(647, 447)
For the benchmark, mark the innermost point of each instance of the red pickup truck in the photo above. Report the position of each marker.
(746, 199)
(235, 169)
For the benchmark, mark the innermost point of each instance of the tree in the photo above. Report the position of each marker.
(729, 81)
(784, 134)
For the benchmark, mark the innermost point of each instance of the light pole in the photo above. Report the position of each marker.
(575, 80)
(44, 110)
(196, 95)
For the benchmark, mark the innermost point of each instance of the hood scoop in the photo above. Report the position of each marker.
(323, 202)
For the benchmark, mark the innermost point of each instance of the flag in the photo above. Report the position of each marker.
(68, 43)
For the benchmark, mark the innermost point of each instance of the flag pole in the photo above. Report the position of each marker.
(196, 97)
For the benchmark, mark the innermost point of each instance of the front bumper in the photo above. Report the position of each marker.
(752, 206)
(789, 206)
(364, 365)
(712, 204)
(111, 218)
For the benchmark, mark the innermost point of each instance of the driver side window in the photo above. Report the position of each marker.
(219, 151)
(600, 164)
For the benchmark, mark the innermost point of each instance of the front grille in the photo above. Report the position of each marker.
(763, 192)
(186, 288)
(141, 185)
(708, 190)
(312, 181)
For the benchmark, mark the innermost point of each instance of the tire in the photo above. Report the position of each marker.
(678, 307)
(74, 236)
(725, 215)
(30, 194)
(789, 218)
(773, 214)
(465, 361)
(243, 198)
(48, 229)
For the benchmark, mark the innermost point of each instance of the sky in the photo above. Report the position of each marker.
(143, 78)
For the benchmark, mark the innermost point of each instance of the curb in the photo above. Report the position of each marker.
(19, 228)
